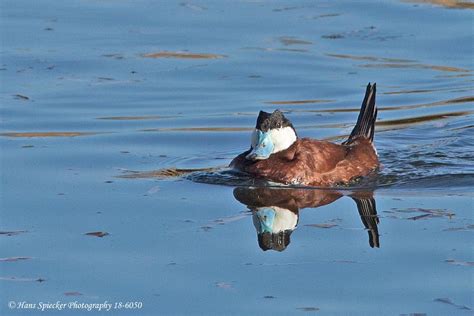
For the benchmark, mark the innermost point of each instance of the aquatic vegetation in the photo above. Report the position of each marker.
(296, 102)
(198, 129)
(46, 134)
(455, 4)
(448, 301)
(21, 279)
(162, 173)
(97, 234)
(460, 263)
(21, 97)
(135, 118)
(416, 66)
(74, 293)
(292, 40)
(13, 233)
(14, 259)
(384, 62)
(183, 55)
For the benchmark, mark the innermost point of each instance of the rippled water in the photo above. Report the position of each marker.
(119, 118)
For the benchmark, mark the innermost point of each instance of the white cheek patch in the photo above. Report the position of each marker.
(284, 220)
(282, 138)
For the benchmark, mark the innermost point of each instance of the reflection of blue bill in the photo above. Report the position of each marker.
(265, 217)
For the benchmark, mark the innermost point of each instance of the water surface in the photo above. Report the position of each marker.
(119, 118)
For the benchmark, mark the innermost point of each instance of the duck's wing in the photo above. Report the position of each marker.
(302, 163)
(368, 214)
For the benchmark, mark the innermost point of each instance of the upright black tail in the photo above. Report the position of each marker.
(365, 126)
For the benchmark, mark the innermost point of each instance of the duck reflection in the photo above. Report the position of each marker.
(276, 212)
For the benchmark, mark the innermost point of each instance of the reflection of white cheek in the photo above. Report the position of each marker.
(284, 220)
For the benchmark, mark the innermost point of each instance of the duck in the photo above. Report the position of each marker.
(277, 154)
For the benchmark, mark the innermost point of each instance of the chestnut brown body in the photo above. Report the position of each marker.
(314, 162)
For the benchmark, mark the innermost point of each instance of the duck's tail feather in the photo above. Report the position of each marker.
(368, 215)
(365, 125)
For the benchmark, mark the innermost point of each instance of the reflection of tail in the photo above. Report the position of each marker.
(368, 215)
(365, 125)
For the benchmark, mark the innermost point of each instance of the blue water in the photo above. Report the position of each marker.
(92, 130)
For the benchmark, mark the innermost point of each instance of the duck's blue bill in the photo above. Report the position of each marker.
(263, 147)
(265, 217)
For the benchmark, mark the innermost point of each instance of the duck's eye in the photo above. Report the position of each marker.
(264, 145)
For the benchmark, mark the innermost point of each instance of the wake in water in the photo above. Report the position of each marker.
(415, 167)
(417, 157)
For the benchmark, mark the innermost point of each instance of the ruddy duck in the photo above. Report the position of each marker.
(278, 155)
